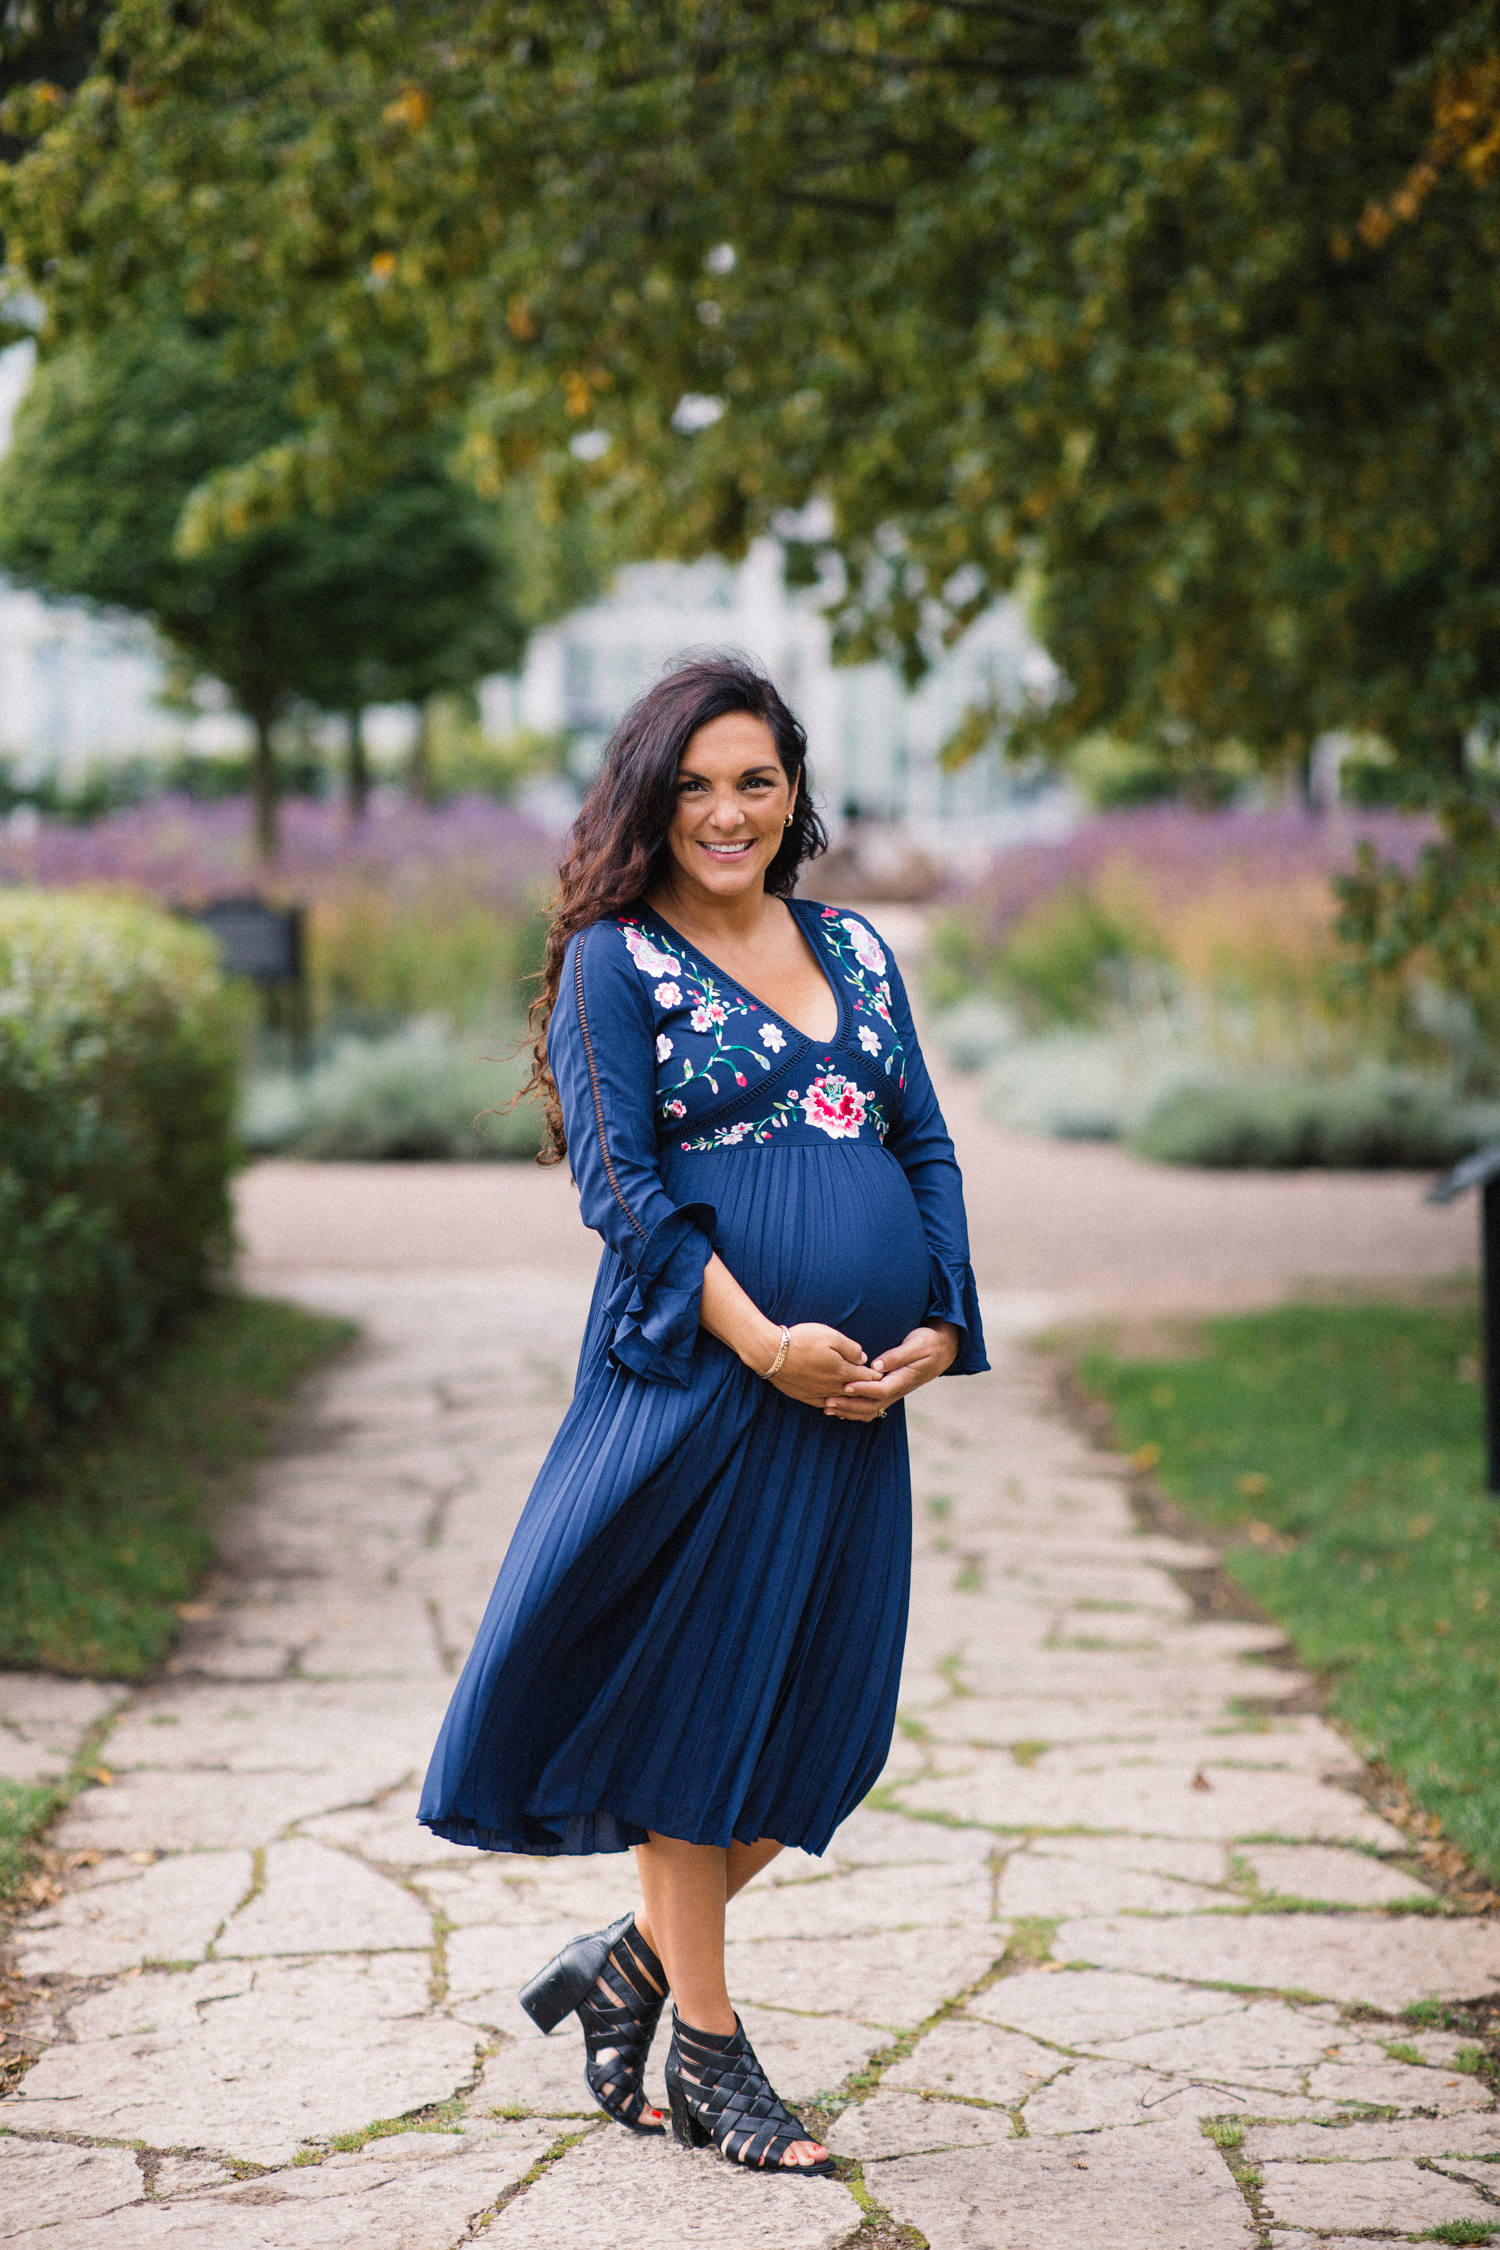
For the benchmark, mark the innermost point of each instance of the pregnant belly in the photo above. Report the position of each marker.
(816, 1234)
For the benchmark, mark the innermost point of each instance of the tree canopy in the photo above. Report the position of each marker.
(407, 589)
(1183, 317)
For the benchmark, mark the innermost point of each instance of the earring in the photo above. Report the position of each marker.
(787, 822)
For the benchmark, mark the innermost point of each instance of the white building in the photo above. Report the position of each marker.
(874, 748)
(72, 688)
(76, 689)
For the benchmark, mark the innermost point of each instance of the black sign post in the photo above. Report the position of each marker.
(1482, 1171)
(263, 943)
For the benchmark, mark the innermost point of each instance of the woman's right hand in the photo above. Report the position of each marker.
(819, 1362)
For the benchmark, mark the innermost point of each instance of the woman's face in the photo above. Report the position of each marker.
(733, 798)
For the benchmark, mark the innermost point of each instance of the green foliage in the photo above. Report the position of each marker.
(1075, 302)
(422, 1092)
(1440, 916)
(1461, 2231)
(94, 1559)
(407, 590)
(117, 1070)
(1077, 296)
(1339, 1451)
(462, 761)
(1062, 960)
(1113, 776)
(55, 41)
(108, 785)
(377, 957)
(1374, 1119)
(25, 1810)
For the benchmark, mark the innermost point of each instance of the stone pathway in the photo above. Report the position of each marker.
(1070, 1979)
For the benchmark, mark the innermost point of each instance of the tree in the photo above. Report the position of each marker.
(50, 42)
(409, 587)
(1082, 297)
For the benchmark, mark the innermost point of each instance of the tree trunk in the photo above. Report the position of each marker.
(358, 767)
(263, 785)
(419, 768)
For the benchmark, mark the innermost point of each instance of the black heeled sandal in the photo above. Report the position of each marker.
(606, 1979)
(725, 2098)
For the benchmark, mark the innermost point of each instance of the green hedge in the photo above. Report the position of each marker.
(117, 1091)
(1377, 1119)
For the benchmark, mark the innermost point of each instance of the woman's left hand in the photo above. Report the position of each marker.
(926, 1352)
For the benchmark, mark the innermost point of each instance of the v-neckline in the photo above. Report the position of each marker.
(810, 1038)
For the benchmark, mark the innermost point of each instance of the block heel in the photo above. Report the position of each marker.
(555, 1992)
(685, 2126)
(616, 1986)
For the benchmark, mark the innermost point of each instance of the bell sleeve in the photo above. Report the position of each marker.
(601, 1049)
(921, 1146)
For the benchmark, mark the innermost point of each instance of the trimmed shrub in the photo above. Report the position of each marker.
(423, 1092)
(117, 1082)
(1080, 1085)
(1377, 1119)
(974, 1031)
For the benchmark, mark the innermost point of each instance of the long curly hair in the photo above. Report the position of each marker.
(618, 850)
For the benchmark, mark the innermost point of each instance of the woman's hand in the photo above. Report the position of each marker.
(818, 1363)
(925, 1353)
(819, 1360)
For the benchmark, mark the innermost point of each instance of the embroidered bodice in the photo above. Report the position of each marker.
(663, 1061)
(729, 1069)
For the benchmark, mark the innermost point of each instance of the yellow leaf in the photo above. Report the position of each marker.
(411, 108)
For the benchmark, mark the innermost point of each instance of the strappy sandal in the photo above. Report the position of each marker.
(719, 2093)
(608, 1979)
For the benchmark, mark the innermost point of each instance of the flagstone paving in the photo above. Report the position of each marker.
(1116, 1955)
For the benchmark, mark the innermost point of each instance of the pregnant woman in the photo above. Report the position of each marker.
(694, 1643)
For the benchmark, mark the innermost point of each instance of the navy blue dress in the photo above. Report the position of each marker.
(698, 1626)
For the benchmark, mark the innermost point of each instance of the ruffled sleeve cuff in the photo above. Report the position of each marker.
(953, 1297)
(658, 1329)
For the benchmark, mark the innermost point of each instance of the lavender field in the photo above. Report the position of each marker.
(1178, 980)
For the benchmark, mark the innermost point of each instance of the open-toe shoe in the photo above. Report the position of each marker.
(615, 1983)
(719, 2093)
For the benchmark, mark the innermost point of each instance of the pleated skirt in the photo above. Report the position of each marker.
(697, 1630)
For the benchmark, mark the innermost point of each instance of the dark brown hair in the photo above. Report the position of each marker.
(618, 849)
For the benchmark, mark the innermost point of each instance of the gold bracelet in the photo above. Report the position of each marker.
(780, 1360)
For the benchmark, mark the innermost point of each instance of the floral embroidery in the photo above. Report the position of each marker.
(836, 1106)
(645, 955)
(738, 1030)
(862, 961)
(832, 1102)
(866, 952)
(714, 1013)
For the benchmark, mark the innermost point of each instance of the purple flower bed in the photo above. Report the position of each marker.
(186, 854)
(1182, 853)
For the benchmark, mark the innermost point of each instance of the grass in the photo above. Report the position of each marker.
(95, 1562)
(1338, 1451)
